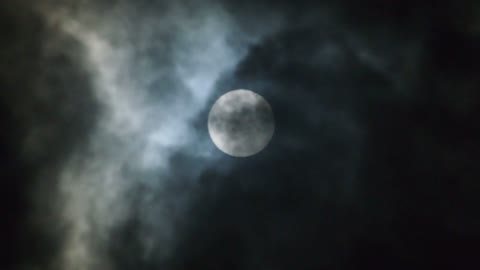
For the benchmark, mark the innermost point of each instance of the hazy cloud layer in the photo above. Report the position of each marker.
(152, 69)
(372, 164)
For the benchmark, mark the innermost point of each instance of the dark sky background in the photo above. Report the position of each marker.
(106, 161)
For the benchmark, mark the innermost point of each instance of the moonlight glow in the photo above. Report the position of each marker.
(241, 123)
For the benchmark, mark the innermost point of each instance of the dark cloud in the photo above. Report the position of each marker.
(108, 164)
(47, 111)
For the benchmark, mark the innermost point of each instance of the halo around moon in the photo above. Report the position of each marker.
(241, 123)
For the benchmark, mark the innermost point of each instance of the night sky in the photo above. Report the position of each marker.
(107, 164)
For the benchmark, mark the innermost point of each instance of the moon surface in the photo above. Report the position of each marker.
(241, 123)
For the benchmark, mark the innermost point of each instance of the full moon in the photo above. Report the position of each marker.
(241, 123)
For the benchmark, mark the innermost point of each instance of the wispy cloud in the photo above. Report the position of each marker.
(152, 75)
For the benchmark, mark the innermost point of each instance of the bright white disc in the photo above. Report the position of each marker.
(241, 123)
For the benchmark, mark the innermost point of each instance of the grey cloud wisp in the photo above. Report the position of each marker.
(152, 74)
